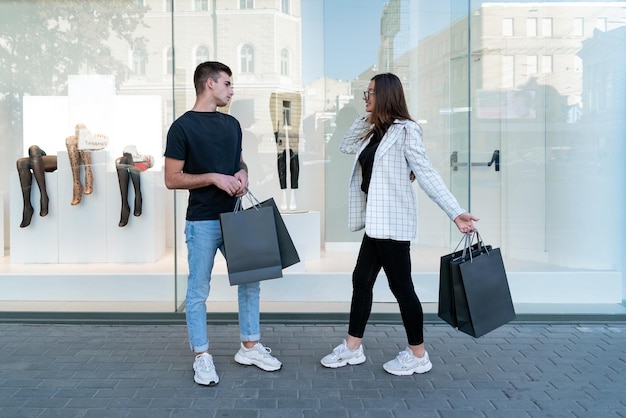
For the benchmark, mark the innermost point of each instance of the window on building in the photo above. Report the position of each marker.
(287, 112)
(531, 64)
(546, 26)
(169, 60)
(202, 54)
(579, 26)
(601, 24)
(507, 26)
(285, 6)
(247, 59)
(284, 62)
(139, 62)
(531, 26)
(546, 64)
(508, 71)
(169, 7)
(201, 5)
(246, 4)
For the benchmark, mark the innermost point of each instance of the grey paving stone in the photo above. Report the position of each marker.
(520, 370)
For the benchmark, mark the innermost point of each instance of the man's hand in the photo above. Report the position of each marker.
(465, 222)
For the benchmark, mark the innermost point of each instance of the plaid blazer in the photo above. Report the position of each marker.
(389, 210)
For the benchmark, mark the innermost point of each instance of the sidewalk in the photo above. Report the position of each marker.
(519, 370)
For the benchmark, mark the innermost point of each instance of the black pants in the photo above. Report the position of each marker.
(395, 259)
(294, 169)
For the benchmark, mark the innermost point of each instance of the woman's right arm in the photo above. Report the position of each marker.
(353, 139)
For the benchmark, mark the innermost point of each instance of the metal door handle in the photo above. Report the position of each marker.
(495, 160)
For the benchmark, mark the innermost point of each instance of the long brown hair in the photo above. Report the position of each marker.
(390, 104)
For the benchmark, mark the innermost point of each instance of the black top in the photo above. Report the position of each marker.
(208, 142)
(366, 159)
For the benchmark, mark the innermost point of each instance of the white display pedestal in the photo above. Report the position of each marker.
(82, 230)
(142, 240)
(88, 232)
(38, 242)
(304, 229)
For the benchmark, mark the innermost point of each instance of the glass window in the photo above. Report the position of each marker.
(507, 27)
(508, 71)
(201, 5)
(546, 64)
(296, 62)
(531, 26)
(246, 59)
(284, 62)
(579, 26)
(202, 54)
(169, 60)
(139, 62)
(546, 27)
(531, 65)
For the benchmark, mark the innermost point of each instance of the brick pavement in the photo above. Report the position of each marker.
(519, 370)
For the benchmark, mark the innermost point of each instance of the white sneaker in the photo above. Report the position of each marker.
(406, 363)
(204, 369)
(259, 356)
(342, 356)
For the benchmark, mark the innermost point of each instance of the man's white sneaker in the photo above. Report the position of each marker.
(406, 363)
(342, 356)
(204, 369)
(259, 356)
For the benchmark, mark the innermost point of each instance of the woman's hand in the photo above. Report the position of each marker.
(465, 222)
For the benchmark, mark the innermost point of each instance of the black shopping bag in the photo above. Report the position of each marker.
(445, 308)
(482, 296)
(288, 253)
(250, 245)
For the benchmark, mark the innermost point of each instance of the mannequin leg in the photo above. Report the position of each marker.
(26, 180)
(121, 166)
(294, 167)
(38, 167)
(134, 176)
(74, 156)
(85, 157)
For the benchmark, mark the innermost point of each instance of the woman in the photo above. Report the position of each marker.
(389, 155)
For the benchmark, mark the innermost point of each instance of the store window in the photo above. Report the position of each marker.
(474, 86)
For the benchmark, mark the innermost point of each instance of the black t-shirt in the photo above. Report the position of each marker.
(208, 142)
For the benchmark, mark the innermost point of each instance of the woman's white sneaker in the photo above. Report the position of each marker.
(406, 363)
(342, 356)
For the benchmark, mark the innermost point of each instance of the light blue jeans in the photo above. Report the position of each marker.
(203, 239)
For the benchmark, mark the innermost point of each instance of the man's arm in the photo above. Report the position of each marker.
(176, 179)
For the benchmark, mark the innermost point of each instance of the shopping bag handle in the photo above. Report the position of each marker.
(469, 241)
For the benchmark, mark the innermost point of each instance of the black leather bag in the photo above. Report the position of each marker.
(482, 298)
(250, 244)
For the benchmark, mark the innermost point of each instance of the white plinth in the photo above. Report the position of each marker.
(82, 227)
(142, 240)
(304, 228)
(38, 242)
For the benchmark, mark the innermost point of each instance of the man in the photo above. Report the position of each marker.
(203, 155)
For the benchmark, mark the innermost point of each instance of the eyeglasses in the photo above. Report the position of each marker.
(367, 94)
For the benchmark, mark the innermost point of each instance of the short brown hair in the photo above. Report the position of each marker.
(206, 70)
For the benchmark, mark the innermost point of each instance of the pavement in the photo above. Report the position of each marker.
(145, 370)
